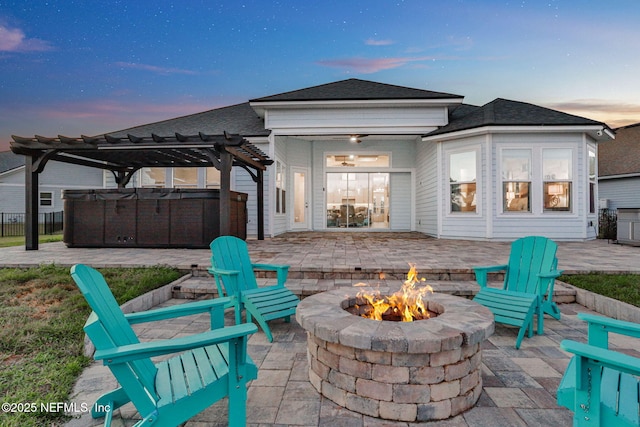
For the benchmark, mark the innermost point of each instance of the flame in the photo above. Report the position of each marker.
(407, 303)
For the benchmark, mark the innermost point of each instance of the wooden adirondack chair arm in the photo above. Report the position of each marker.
(603, 357)
(554, 274)
(481, 272)
(181, 310)
(547, 282)
(221, 272)
(128, 353)
(281, 271)
(600, 326)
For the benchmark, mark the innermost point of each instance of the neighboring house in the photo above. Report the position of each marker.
(55, 178)
(619, 169)
(358, 155)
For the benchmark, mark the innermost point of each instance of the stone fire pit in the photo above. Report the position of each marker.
(407, 371)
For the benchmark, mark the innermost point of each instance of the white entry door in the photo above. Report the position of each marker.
(300, 218)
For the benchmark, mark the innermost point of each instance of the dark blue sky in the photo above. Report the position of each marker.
(71, 67)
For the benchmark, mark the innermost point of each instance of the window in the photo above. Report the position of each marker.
(281, 204)
(213, 178)
(46, 198)
(592, 180)
(556, 177)
(516, 180)
(462, 181)
(153, 177)
(358, 160)
(185, 177)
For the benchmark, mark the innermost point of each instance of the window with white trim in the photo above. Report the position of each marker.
(46, 198)
(516, 180)
(281, 193)
(462, 181)
(212, 177)
(153, 177)
(557, 179)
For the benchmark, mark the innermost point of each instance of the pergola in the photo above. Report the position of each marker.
(125, 156)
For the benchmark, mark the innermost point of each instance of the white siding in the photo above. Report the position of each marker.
(621, 192)
(426, 200)
(55, 178)
(341, 120)
(400, 201)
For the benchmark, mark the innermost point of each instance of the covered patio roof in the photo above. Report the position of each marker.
(124, 156)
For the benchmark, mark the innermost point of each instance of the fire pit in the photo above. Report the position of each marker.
(405, 371)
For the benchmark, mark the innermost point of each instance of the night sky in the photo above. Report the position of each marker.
(89, 67)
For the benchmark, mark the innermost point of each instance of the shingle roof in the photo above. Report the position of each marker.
(622, 155)
(9, 160)
(355, 89)
(235, 119)
(504, 112)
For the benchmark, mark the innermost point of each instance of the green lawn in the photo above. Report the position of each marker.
(623, 287)
(41, 337)
(5, 242)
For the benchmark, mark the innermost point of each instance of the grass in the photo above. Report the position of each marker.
(5, 242)
(623, 287)
(41, 337)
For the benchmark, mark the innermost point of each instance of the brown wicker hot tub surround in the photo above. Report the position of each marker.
(405, 371)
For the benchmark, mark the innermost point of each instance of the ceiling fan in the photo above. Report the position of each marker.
(356, 139)
(353, 138)
(344, 161)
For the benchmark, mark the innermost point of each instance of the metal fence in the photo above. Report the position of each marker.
(12, 224)
(608, 224)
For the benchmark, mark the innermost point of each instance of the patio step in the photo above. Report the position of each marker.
(202, 286)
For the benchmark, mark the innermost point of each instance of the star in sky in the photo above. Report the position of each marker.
(89, 67)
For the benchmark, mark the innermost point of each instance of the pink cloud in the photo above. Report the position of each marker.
(371, 65)
(154, 68)
(15, 40)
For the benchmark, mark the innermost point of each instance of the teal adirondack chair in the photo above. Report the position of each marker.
(209, 366)
(234, 276)
(528, 285)
(601, 386)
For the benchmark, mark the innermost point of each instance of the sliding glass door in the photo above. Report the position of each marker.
(357, 200)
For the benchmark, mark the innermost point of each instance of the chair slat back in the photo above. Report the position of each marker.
(232, 253)
(529, 257)
(113, 324)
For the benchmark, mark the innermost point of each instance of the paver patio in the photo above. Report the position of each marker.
(518, 385)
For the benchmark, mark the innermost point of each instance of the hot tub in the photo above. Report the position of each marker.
(148, 217)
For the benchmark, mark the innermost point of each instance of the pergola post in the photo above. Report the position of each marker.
(226, 162)
(260, 195)
(31, 204)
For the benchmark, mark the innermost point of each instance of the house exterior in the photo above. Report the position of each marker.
(357, 155)
(54, 179)
(619, 169)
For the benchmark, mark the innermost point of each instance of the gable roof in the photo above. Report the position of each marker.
(9, 161)
(354, 89)
(235, 119)
(622, 155)
(504, 112)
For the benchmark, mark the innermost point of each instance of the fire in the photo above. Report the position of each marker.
(406, 305)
